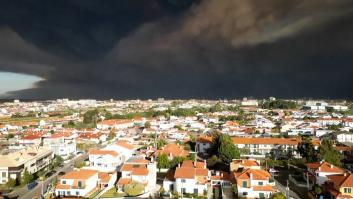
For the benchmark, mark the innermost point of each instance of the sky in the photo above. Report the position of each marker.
(130, 49)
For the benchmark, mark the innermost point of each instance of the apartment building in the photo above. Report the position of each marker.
(264, 146)
(32, 159)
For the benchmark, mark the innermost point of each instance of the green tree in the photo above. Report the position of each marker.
(317, 190)
(307, 150)
(10, 135)
(11, 183)
(213, 160)
(175, 162)
(91, 116)
(228, 151)
(111, 135)
(133, 188)
(278, 196)
(147, 124)
(161, 143)
(162, 161)
(328, 153)
(27, 177)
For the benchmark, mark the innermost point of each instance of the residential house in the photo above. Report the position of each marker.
(191, 177)
(340, 186)
(237, 164)
(203, 144)
(117, 124)
(172, 150)
(321, 170)
(80, 183)
(254, 183)
(61, 143)
(104, 160)
(138, 170)
(122, 147)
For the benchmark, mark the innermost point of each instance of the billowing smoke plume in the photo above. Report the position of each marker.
(211, 48)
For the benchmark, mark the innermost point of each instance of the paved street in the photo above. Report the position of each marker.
(24, 193)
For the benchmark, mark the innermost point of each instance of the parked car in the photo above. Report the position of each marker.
(61, 173)
(50, 173)
(31, 185)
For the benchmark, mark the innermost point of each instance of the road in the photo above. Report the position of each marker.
(24, 193)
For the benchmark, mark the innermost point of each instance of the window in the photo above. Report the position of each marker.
(183, 180)
(3, 174)
(261, 195)
(68, 193)
(77, 193)
(261, 183)
(347, 190)
(196, 191)
(183, 190)
(245, 193)
(64, 182)
(79, 184)
(245, 184)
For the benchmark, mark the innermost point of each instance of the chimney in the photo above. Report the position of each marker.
(179, 165)
(345, 174)
(195, 164)
(217, 173)
(251, 176)
(222, 175)
(331, 166)
(205, 164)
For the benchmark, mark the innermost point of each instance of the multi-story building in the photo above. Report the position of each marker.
(122, 147)
(32, 159)
(104, 160)
(62, 144)
(77, 183)
(191, 177)
(321, 171)
(203, 144)
(254, 183)
(340, 186)
(264, 146)
(138, 170)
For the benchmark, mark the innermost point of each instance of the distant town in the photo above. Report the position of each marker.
(245, 148)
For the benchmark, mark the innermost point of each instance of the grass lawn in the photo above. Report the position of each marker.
(111, 193)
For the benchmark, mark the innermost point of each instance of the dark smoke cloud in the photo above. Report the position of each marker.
(176, 49)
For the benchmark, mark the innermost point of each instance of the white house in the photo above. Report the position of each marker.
(62, 144)
(104, 160)
(77, 183)
(323, 169)
(138, 170)
(122, 147)
(191, 177)
(203, 144)
(345, 137)
(254, 183)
